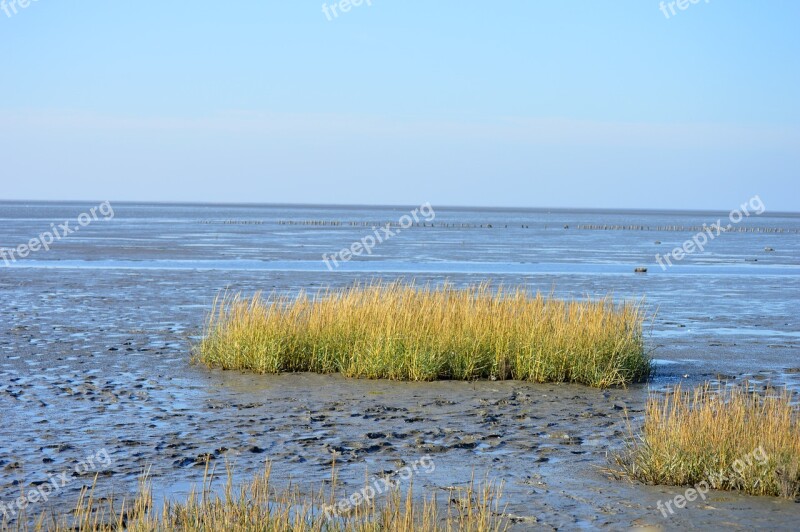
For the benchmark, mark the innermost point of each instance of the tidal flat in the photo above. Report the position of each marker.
(96, 337)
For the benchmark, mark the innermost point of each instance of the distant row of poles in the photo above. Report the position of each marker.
(687, 228)
(588, 227)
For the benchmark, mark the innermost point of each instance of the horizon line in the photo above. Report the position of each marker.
(388, 205)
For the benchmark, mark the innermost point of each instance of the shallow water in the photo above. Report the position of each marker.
(95, 338)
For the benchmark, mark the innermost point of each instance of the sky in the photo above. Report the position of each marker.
(548, 103)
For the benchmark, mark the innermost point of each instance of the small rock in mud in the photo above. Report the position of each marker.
(571, 440)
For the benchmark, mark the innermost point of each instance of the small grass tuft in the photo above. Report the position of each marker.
(258, 506)
(402, 332)
(730, 438)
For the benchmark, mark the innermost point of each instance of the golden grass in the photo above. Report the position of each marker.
(403, 332)
(258, 506)
(730, 438)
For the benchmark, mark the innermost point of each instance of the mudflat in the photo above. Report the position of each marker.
(96, 356)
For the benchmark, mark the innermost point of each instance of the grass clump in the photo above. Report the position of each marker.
(402, 332)
(728, 438)
(258, 506)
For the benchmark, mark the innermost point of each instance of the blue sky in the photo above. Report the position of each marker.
(509, 103)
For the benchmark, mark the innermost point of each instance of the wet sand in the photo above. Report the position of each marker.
(102, 361)
(98, 358)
